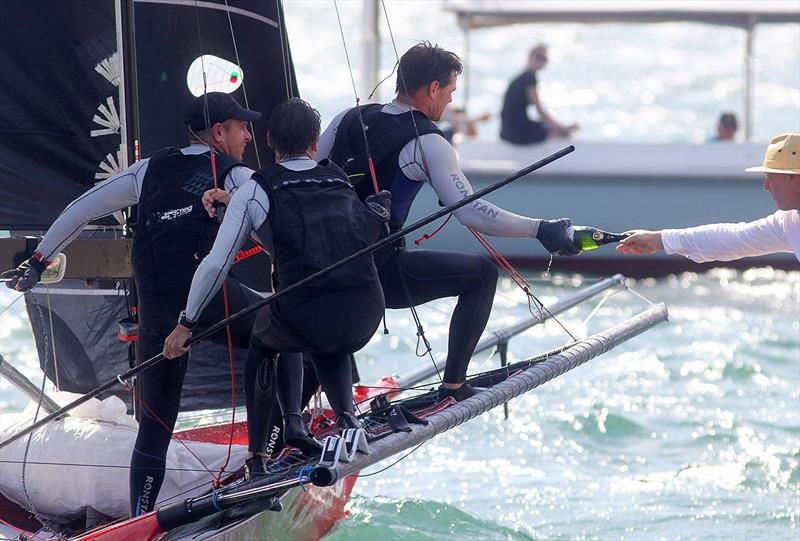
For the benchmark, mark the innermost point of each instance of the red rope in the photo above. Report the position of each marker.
(152, 414)
(502, 261)
(426, 236)
(218, 479)
(373, 175)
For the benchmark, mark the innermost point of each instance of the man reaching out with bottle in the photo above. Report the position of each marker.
(408, 150)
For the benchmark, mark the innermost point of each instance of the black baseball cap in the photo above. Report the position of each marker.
(221, 107)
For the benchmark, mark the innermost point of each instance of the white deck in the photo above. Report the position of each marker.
(724, 161)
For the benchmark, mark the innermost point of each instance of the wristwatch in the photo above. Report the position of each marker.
(185, 321)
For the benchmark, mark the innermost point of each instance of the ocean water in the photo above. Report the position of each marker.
(690, 431)
(663, 82)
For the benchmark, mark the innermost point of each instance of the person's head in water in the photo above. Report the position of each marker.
(782, 167)
(726, 127)
(537, 57)
(293, 129)
(218, 120)
(426, 78)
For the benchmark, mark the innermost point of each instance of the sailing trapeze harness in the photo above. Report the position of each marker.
(316, 219)
(174, 232)
(387, 135)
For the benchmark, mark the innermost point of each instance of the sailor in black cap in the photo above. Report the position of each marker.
(172, 229)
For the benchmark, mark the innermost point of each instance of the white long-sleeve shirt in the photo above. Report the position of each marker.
(446, 179)
(246, 213)
(117, 192)
(779, 232)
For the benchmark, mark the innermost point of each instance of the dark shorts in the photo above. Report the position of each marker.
(525, 134)
(338, 322)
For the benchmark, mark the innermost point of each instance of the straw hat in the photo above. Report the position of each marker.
(783, 155)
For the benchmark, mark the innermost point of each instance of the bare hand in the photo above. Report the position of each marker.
(641, 242)
(212, 196)
(175, 344)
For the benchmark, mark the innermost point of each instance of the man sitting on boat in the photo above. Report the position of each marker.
(310, 216)
(779, 232)
(408, 150)
(515, 125)
(172, 227)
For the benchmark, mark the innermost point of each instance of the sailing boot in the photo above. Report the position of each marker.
(255, 467)
(348, 420)
(461, 393)
(295, 433)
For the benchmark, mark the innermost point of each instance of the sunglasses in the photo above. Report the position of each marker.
(540, 56)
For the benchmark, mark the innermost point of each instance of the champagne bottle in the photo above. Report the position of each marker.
(589, 238)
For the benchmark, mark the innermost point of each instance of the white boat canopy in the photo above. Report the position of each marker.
(741, 13)
(745, 14)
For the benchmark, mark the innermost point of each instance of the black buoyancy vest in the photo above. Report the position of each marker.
(316, 219)
(173, 231)
(386, 134)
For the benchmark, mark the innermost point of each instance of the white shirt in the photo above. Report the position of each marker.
(246, 212)
(779, 232)
(117, 192)
(446, 179)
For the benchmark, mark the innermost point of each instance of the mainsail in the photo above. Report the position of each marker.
(102, 83)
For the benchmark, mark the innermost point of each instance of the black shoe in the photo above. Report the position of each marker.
(295, 433)
(255, 467)
(461, 393)
(348, 420)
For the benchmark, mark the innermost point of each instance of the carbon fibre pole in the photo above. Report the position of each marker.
(260, 304)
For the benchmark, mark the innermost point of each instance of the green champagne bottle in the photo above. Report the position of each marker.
(589, 238)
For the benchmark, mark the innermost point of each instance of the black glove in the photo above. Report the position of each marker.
(381, 204)
(25, 276)
(553, 236)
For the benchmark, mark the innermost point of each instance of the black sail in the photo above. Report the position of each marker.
(49, 94)
(72, 106)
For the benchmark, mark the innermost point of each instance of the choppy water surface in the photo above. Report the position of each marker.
(690, 431)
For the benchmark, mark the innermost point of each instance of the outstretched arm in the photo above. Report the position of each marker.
(438, 158)
(118, 192)
(434, 160)
(718, 242)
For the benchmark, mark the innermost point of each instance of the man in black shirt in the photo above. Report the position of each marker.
(515, 126)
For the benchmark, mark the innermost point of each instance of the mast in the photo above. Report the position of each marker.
(371, 50)
(128, 91)
(748, 77)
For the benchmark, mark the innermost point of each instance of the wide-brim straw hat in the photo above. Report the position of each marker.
(782, 156)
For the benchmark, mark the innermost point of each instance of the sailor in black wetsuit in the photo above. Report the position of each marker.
(309, 216)
(407, 152)
(173, 228)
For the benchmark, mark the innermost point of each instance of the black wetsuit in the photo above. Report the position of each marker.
(173, 234)
(515, 126)
(427, 274)
(315, 219)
